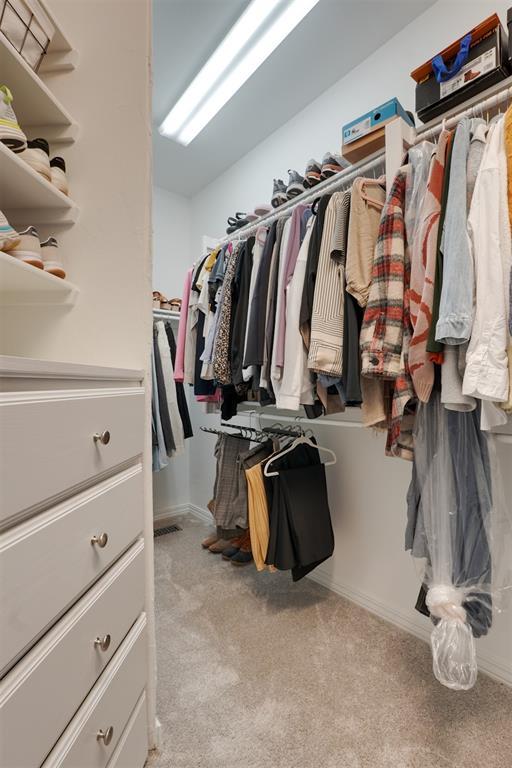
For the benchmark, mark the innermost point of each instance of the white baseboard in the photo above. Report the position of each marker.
(486, 663)
(168, 513)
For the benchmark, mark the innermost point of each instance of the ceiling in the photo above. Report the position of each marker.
(333, 38)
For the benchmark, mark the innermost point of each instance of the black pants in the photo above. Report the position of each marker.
(301, 535)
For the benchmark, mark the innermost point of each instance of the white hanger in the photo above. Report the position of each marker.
(301, 440)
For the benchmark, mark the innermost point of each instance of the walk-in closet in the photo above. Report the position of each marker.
(255, 384)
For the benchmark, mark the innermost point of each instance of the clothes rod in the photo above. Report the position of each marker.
(165, 314)
(338, 180)
(505, 439)
(320, 422)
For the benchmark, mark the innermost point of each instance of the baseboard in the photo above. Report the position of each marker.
(486, 663)
(164, 516)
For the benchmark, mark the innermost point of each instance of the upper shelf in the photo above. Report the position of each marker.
(28, 198)
(38, 111)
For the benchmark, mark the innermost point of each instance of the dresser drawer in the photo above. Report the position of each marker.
(132, 747)
(48, 561)
(48, 442)
(106, 709)
(41, 694)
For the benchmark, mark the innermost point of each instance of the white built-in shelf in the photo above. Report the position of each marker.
(26, 197)
(38, 111)
(23, 285)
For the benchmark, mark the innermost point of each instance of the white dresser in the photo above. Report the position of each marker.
(73, 656)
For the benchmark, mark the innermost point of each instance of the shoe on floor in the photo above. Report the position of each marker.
(206, 543)
(278, 193)
(50, 257)
(10, 132)
(332, 163)
(220, 545)
(37, 155)
(8, 235)
(29, 248)
(242, 557)
(58, 174)
(295, 184)
(313, 174)
(233, 548)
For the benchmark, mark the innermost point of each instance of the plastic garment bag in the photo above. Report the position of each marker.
(459, 530)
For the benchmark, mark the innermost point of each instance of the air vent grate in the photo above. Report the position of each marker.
(167, 529)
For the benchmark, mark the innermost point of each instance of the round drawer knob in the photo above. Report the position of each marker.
(105, 736)
(100, 540)
(103, 643)
(102, 437)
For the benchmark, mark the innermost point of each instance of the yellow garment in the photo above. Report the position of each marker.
(508, 151)
(212, 258)
(258, 516)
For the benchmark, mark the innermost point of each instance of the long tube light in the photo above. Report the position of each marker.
(216, 83)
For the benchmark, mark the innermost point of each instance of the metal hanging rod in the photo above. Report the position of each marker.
(165, 314)
(335, 182)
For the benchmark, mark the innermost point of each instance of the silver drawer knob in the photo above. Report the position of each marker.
(100, 540)
(102, 437)
(105, 736)
(103, 643)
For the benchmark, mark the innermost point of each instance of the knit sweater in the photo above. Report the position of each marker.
(423, 270)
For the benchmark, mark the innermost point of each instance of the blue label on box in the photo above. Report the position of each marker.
(371, 120)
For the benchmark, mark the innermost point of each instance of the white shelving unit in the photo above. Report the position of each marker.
(26, 197)
(38, 111)
(165, 314)
(22, 284)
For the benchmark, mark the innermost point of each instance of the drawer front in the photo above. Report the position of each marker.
(48, 443)
(108, 706)
(132, 747)
(67, 663)
(48, 561)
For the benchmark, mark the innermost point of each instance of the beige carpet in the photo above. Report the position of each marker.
(255, 672)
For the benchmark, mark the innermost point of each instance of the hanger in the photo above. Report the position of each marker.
(301, 440)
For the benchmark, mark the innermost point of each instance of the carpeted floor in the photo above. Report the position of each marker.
(255, 672)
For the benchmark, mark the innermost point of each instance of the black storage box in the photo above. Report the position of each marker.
(487, 63)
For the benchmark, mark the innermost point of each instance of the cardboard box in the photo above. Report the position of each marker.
(373, 120)
(486, 64)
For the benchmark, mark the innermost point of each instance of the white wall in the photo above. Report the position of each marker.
(172, 248)
(366, 490)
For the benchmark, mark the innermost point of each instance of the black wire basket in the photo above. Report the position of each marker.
(27, 28)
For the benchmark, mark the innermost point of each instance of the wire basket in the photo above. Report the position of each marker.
(28, 29)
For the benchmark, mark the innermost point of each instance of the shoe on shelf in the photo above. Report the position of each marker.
(37, 155)
(295, 184)
(263, 210)
(58, 174)
(29, 248)
(10, 132)
(9, 238)
(206, 543)
(50, 257)
(313, 174)
(278, 193)
(332, 163)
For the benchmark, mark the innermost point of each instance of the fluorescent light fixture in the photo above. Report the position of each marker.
(222, 75)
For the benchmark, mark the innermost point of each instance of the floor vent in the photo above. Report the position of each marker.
(167, 529)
